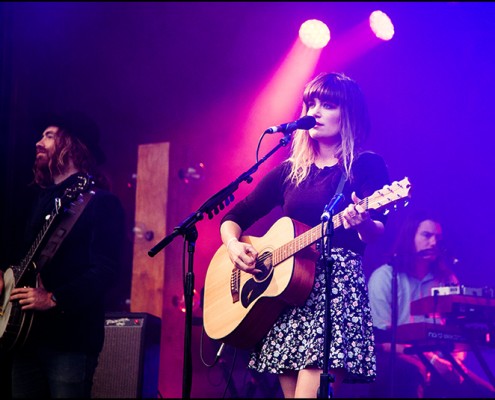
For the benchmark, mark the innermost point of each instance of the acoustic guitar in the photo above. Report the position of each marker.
(240, 308)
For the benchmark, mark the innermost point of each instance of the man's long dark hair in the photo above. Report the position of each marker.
(404, 256)
(69, 147)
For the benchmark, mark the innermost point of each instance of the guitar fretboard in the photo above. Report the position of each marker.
(26, 261)
(379, 199)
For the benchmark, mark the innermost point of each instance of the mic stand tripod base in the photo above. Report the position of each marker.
(325, 390)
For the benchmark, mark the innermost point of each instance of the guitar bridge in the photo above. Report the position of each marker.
(235, 284)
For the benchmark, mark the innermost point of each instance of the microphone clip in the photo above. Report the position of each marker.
(329, 209)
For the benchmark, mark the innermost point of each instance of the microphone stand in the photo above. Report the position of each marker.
(187, 229)
(393, 336)
(325, 390)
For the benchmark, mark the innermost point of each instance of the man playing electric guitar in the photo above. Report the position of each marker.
(63, 290)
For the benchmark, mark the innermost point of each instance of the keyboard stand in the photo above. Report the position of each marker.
(447, 350)
(484, 365)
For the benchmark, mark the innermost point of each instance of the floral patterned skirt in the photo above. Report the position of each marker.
(296, 340)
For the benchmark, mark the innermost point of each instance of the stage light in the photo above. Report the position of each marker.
(381, 25)
(314, 34)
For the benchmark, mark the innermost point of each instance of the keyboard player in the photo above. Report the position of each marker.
(417, 266)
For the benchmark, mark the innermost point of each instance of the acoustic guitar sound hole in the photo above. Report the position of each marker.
(264, 264)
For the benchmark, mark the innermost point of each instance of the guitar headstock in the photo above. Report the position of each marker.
(81, 185)
(393, 194)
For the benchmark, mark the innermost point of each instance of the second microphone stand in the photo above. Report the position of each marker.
(393, 338)
(325, 390)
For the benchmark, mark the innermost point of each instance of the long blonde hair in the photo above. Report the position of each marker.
(355, 125)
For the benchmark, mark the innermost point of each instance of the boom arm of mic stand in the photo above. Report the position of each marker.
(178, 230)
(211, 205)
(216, 201)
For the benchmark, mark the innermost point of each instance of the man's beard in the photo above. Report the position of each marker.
(42, 173)
(429, 254)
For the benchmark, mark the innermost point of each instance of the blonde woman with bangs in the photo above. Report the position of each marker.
(324, 160)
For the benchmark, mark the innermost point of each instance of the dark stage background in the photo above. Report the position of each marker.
(187, 73)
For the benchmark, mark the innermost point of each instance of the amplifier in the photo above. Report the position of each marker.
(129, 362)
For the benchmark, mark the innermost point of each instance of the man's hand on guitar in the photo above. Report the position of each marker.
(33, 298)
(243, 256)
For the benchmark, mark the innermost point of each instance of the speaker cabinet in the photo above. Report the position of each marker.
(129, 362)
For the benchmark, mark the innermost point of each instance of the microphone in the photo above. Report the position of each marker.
(328, 210)
(306, 122)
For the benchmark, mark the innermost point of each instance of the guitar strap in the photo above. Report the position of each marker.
(63, 228)
(343, 179)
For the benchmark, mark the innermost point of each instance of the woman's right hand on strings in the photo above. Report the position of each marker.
(243, 255)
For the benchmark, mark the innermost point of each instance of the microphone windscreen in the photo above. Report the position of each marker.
(306, 122)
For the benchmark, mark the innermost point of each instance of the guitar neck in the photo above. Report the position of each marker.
(82, 184)
(20, 269)
(312, 235)
(304, 240)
